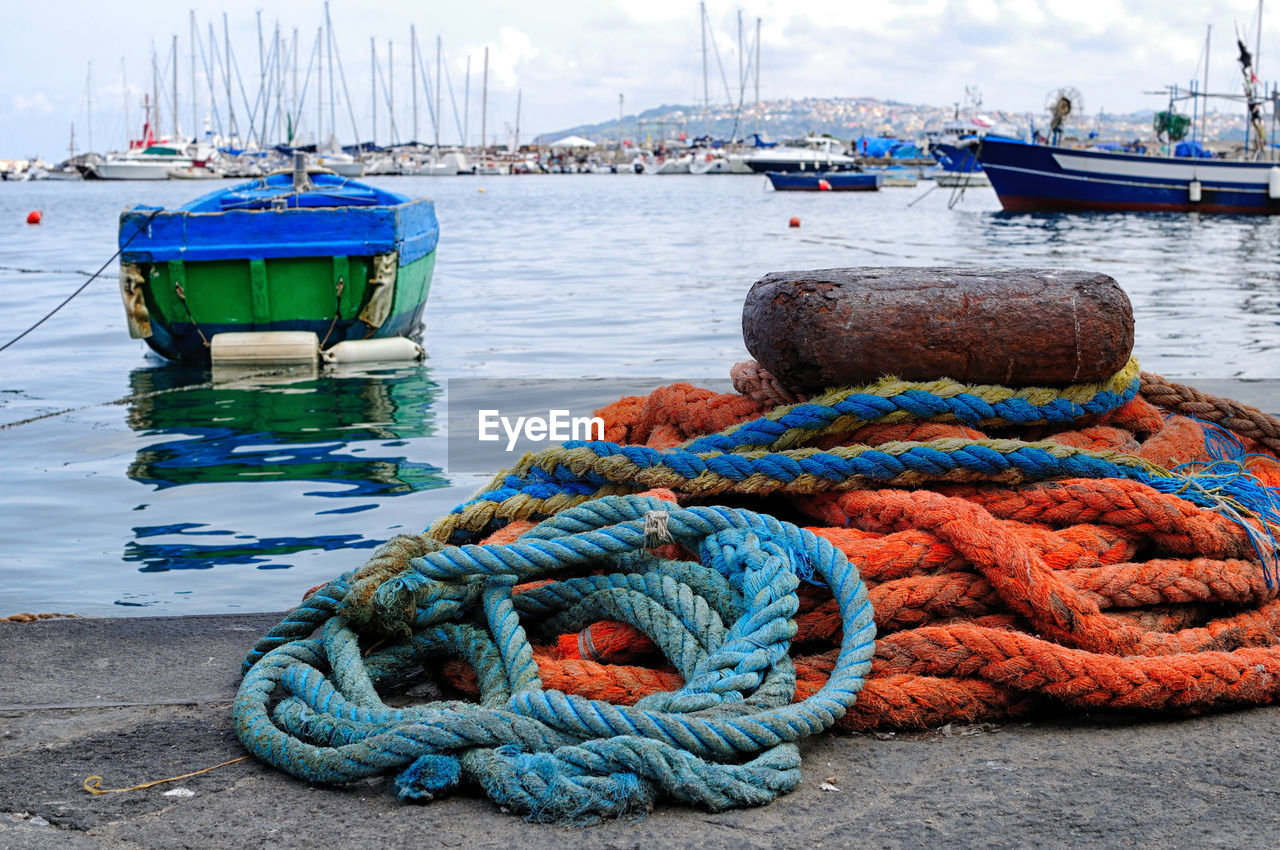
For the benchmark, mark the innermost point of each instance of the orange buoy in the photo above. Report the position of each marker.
(34, 217)
(795, 221)
(824, 186)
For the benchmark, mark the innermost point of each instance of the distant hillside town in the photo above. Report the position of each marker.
(854, 117)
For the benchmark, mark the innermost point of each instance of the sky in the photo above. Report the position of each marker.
(567, 61)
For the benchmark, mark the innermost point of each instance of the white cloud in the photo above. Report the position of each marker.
(38, 103)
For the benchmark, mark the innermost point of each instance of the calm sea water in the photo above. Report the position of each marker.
(133, 487)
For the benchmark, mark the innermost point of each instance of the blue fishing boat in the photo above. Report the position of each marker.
(957, 158)
(1029, 177)
(293, 251)
(825, 181)
(1050, 177)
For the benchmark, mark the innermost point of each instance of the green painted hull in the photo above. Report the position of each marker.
(188, 302)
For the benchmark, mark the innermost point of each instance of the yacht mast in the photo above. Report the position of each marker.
(124, 82)
(88, 88)
(154, 115)
(393, 135)
(226, 68)
(466, 105)
(484, 102)
(279, 78)
(373, 82)
(439, 114)
(328, 23)
(296, 108)
(173, 60)
(319, 86)
(706, 92)
(742, 74)
(1204, 113)
(757, 68)
(210, 71)
(195, 106)
(413, 78)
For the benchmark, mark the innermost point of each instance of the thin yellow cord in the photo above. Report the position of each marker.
(93, 784)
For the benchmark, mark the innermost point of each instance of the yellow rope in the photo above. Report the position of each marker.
(93, 784)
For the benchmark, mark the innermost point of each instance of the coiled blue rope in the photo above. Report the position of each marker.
(727, 738)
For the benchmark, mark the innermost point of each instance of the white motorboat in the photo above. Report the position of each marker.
(153, 162)
(195, 172)
(813, 153)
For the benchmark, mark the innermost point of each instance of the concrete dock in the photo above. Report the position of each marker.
(135, 700)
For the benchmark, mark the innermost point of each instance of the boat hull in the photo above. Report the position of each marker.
(1031, 178)
(763, 164)
(136, 170)
(837, 181)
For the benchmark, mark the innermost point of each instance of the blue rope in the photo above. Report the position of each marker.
(727, 738)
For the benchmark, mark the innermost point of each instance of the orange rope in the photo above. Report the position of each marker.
(990, 599)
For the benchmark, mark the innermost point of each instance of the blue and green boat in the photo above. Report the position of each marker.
(294, 251)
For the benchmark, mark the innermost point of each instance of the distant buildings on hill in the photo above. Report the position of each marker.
(852, 117)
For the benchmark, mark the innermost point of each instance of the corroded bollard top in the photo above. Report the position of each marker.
(1011, 326)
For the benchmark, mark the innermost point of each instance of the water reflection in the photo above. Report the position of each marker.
(345, 431)
(1205, 289)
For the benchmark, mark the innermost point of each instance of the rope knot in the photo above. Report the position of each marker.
(656, 529)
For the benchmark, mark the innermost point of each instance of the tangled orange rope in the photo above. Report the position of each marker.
(992, 599)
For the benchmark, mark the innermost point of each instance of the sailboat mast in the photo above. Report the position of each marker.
(319, 85)
(1204, 114)
(757, 67)
(88, 89)
(279, 78)
(373, 82)
(153, 117)
(413, 78)
(519, 94)
(466, 105)
(484, 102)
(173, 60)
(124, 82)
(195, 106)
(391, 94)
(706, 91)
(742, 73)
(439, 114)
(226, 69)
(296, 108)
(328, 24)
(210, 70)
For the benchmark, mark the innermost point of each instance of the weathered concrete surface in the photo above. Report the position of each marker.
(140, 699)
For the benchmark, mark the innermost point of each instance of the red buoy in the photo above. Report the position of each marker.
(824, 186)
(34, 217)
(795, 221)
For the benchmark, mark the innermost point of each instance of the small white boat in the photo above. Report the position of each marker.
(67, 173)
(675, 165)
(430, 168)
(195, 172)
(718, 162)
(341, 163)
